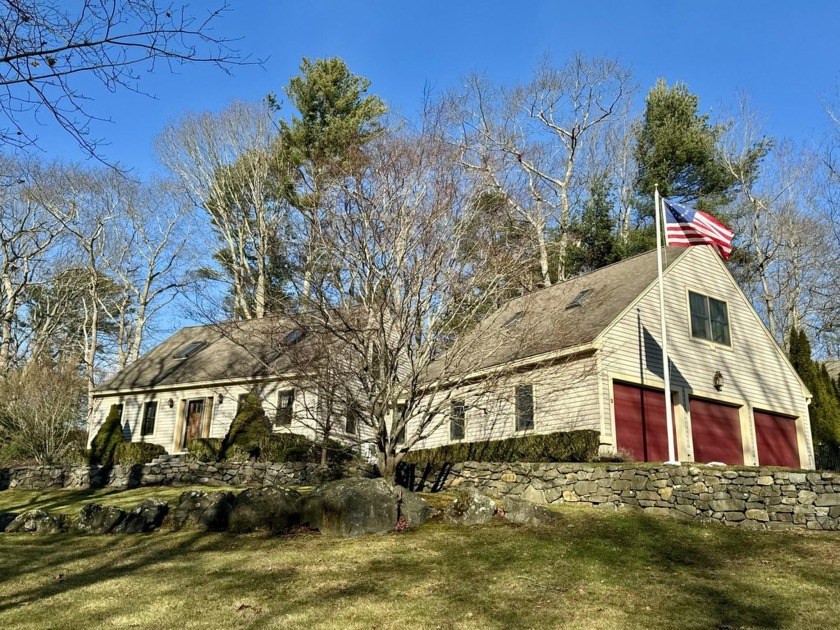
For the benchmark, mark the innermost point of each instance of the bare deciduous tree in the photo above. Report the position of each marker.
(49, 47)
(40, 407)
(228, 164)
(525, 143)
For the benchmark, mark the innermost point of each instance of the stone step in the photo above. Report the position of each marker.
(161, 459)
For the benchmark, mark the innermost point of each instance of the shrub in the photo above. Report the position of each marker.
(205, 449)
(107, 439)
(570, 446)
(248, 429)
(289, 447)
(134, 453)
(286, 447)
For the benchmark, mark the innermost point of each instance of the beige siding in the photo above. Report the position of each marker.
(221, 413)
(756, 376)
(564, 400)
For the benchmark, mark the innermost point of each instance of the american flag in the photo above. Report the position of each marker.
(685, 226)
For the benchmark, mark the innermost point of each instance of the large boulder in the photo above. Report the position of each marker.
(470, 507)
(203, 510)
(355, 507)
(98, 519)
(413, 509)
(525, 513)
(271, 509)
(145, 517)
(37, 522)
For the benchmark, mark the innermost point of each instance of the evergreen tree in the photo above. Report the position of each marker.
(594, 242)
(825, 402)
(675, 149)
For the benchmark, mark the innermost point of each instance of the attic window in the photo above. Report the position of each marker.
(188, 350)
(292, 338)
(580, 298)
(513, 319)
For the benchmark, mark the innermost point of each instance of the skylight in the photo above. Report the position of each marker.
(513, 319)
(188, 350)
(292, 338)
(579, 298)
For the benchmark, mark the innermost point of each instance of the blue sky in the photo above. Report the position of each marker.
(784, 54)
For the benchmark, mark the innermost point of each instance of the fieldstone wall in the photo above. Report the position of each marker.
(171, 472)
(753, 498)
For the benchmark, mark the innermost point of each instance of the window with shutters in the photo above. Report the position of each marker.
(457, 420)
(709, 318)
(285, 402)
(524, 407)
(149, 416)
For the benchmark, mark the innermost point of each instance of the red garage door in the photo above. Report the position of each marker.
(640, 422)
(716, 432)
(775, 436)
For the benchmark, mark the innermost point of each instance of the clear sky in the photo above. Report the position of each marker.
(785, 54)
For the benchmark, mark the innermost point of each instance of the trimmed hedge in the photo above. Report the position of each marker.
(137, 453)
(569, 446)
(248, 429)
(107, 439)
(206, 449)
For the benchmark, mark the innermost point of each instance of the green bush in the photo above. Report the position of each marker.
(286, 447)
(134, 453)
(107, 439)
(205, 449)
(248, 429)
(570, 446)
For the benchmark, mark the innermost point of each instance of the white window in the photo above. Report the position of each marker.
(709, 318)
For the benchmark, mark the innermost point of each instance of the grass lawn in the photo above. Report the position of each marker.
(72, 501)
(591, 569)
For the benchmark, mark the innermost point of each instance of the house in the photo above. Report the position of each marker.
(582, 354)
(586, 354)
(191, 385)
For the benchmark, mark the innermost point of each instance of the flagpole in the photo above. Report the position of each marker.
(666, 370)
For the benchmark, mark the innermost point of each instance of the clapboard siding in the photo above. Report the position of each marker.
(564, 400)
(222, 414)
(755, 374)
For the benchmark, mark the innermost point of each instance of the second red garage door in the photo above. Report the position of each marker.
(640, 422)
(716, 432)
(775, 437)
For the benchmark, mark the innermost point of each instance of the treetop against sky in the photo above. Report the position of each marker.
(783, 54)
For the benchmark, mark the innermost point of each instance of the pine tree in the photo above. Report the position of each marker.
(675, 149)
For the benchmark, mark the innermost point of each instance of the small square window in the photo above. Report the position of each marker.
(524, 407)
(285, 404)
(709, 318)
(149, 416)
(457, 420)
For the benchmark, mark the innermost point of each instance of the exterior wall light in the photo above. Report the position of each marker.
(171, 403)
(221, 398)
(717, 380)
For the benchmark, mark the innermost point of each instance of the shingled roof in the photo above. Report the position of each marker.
(541, 322)
(563, 316)
(232, 350)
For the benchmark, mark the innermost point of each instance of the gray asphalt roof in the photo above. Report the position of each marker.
(534, 324)
(544, 321)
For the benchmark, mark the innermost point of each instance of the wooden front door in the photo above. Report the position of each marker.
(194, 414)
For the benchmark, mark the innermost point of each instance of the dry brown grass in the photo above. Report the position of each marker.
(590, 570)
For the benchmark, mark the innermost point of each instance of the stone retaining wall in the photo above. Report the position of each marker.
(754, 498)
(176, 472)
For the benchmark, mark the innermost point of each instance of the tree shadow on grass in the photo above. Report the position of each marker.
(501, 575)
